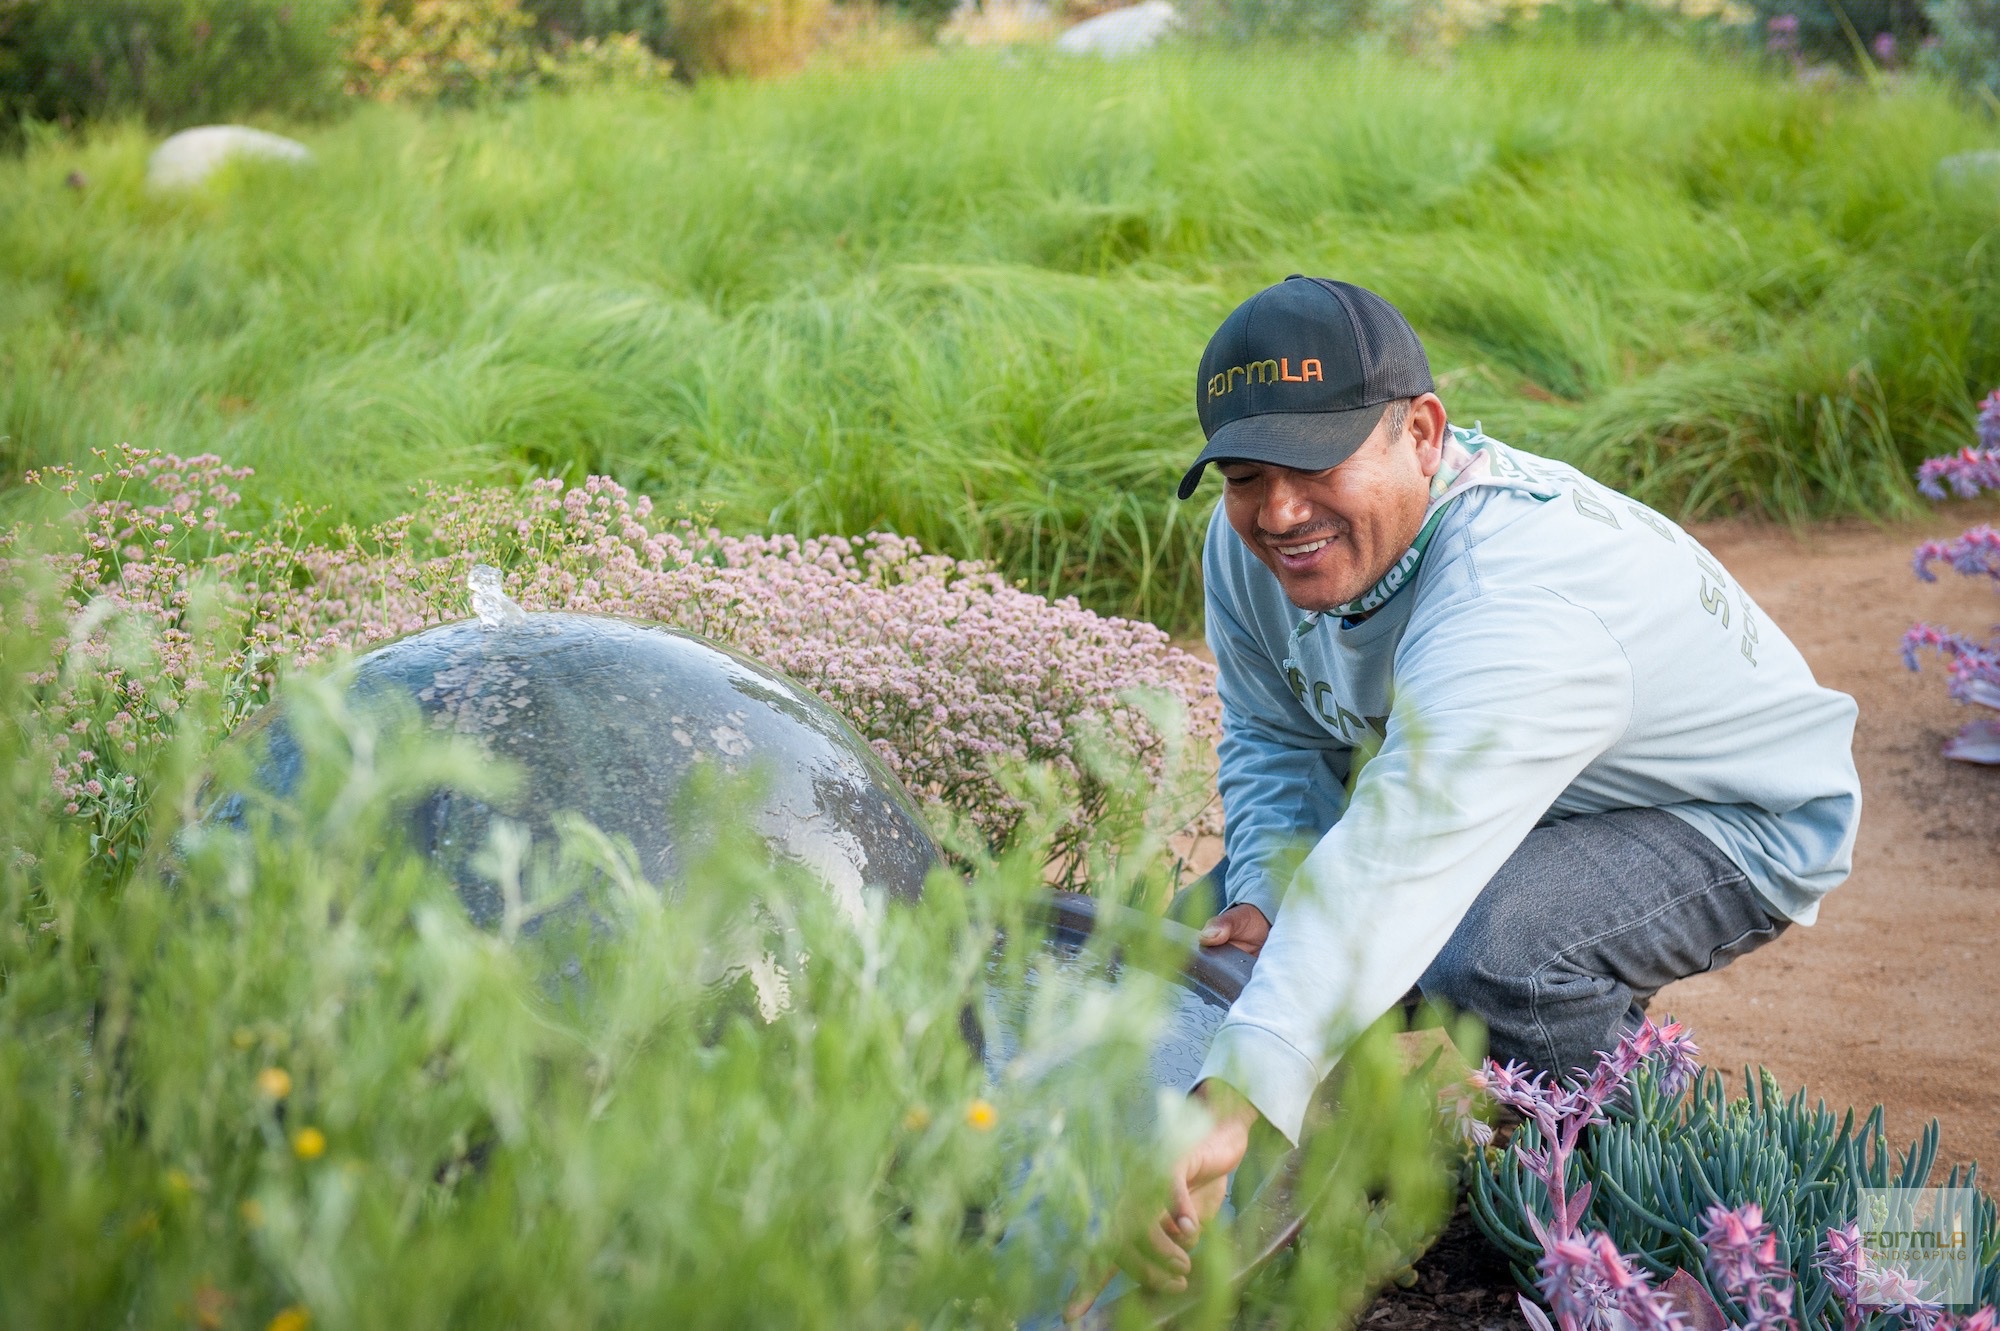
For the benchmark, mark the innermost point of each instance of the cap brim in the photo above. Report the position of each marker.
(1301, 440)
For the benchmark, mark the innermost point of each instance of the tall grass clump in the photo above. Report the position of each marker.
(961, 296)
(272, 1075)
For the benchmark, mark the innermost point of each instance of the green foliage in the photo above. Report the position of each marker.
(264, 1072)
(466, 51)
(171, 61)
(1968, 45)
(1435, 27)
(700, 37)
(1842, 31)
(1252, 20)
(1659, 1164)
(453, 51)
(962, 296)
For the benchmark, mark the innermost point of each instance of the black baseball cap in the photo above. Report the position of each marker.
(1300, 373)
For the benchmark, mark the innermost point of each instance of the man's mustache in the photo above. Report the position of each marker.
(1298, 535)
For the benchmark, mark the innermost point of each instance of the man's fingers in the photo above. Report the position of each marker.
(1166, 1250)
(1242, 926)
(1181, 1208)
(1089, 1293)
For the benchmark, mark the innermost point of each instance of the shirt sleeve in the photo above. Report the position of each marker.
(1500, 702)
(1282, 776)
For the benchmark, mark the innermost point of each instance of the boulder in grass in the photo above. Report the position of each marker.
(193, 155)
(1979, 168)
(1122, 31)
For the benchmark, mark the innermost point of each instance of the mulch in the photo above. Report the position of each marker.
(1462, 1284)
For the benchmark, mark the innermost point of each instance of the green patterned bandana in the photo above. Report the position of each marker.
(1469, 462)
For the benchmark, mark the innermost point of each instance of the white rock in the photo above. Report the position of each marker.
(193, 155)
(1980, 164)
(1122, 31)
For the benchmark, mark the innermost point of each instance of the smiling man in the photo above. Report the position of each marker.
(1542, 754)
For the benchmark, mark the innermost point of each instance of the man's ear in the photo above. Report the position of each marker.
(1427, 427)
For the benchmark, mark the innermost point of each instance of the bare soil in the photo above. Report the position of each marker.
(1893, 996)
(1461, 1284)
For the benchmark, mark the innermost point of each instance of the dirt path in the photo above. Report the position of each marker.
(1893, 997)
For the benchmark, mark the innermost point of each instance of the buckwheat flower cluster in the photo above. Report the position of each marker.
(950, 672)
(127, 579)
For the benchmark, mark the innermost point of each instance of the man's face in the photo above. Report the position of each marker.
(1330, 535)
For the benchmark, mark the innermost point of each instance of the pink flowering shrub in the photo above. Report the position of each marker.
(952, 674)
(1972, 666)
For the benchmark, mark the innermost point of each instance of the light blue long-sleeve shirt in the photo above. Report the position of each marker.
(1562, 650)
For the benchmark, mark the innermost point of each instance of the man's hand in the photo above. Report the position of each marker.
(1242, 926)
(1199, 1181)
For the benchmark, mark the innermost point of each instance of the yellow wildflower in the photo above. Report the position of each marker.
(274, 1083)
(981, 1115)
(295, 1318)
(309, 1143)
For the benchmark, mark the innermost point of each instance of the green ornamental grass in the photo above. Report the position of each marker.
(961, 296)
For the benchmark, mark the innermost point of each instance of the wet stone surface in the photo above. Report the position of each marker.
(611, 721)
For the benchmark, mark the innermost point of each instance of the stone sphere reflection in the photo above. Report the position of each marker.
(609, 719)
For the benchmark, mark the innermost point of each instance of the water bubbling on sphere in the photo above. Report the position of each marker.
(610, 720)
(490, 604)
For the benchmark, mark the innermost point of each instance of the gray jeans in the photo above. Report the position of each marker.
(1583, 924)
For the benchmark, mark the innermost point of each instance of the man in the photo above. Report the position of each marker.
(1546, 755)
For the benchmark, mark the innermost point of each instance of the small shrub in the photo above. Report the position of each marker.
(460, 51)
(171, 61)
(442, 50)
(700, 37)
(1973, 667)
(743, 37)
(619, 60)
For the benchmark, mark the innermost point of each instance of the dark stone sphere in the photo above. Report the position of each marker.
(609, 719)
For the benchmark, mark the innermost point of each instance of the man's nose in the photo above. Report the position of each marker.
(1285, 505)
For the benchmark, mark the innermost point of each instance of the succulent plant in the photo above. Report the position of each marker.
(1657, 1164)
